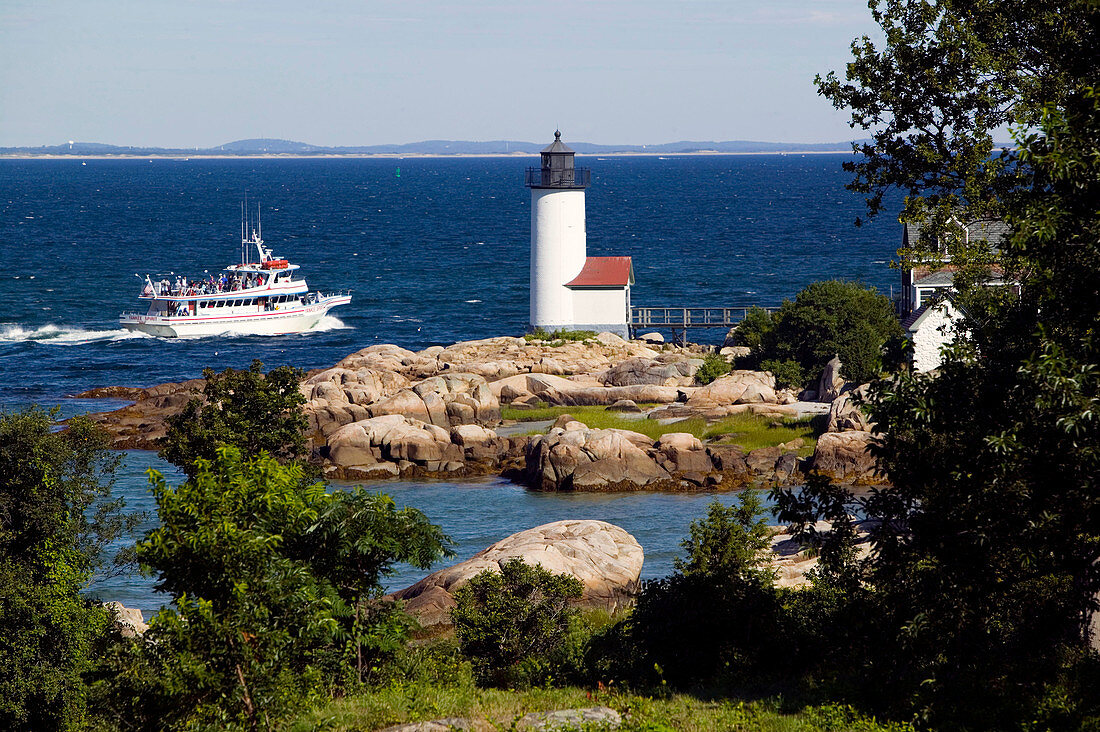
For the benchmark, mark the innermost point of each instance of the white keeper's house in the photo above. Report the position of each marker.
(929, 314)
(569, 289)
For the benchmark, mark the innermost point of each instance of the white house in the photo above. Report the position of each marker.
(929, 315)
(931, 327)
(569, 289)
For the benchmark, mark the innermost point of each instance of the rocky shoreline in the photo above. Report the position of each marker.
(387, 412)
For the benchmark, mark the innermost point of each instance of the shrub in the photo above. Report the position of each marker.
(713, 366)
(55, 520)
(249, 410)
(716, 614)
(513, 625)
(755, 330)
(788, 374)
(540, 334)
(275, 591)
(839, 318)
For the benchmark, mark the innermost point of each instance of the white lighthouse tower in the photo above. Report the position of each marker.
(569, 289)
(558, 242)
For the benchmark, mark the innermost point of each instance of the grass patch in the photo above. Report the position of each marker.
(405, 702)
(750, 431)
(559, 336)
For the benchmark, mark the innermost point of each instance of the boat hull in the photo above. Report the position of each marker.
(279, 322)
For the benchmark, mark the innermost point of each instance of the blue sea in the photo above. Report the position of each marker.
(434, 250)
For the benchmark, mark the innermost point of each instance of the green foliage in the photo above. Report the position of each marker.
(985, 550)
(249, 410)
(730, 542)
(275, 589)
(788, 374)
(56, 517)
(513, 624)
(712, 367)
(838, 318)
(408, 702)
(540, 334)
(755, 330)
(826, 319)
(714, 615)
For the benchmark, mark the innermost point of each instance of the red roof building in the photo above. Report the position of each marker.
(604, 272)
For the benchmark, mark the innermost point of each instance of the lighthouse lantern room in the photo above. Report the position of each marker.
(569, 289)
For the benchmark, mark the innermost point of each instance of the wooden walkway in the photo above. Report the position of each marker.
(678, 320)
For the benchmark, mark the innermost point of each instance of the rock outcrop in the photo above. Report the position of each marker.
(830, 384)
(139, 426)
(845, 458)
(129, 621)
(575, 392)
(665, 370)
(396, 445)
(845, 414)
(605, 558)
(736, 387)
(572, 456)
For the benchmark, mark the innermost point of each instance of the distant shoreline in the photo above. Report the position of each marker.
(396, 156)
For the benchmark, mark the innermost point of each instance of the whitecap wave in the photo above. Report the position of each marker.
(62, 335)
(329, 322)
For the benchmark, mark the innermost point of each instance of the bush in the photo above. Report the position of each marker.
(249, 410)
(540, 334)
(788, 374)
(713, 366)
(755, 330)
(275, 591)
(716, 614)
(838, 318)
(513, 625)
(55, 520)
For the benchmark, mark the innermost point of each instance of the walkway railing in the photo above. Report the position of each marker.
(691, 317)
(678, 320)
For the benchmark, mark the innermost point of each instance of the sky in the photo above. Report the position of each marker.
(199, 73)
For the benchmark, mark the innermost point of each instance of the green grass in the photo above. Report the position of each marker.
(412, 702)
(750, 431)
(558, 337)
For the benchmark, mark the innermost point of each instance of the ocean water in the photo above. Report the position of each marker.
(434, 250)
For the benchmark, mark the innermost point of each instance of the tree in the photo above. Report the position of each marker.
(513, 624)
(275, 589)
(716, 615)
(249, 410)
(56, 518)
(985, 552)
(826, 319)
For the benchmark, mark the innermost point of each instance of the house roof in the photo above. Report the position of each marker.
(914, 316)
(946, 278)
(939, 278)
(604, 272)
(993, 231)
(912, 323)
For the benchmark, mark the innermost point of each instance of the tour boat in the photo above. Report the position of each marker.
(254, 298)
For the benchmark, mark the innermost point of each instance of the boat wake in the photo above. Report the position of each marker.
(329, 322)
(61, 335)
